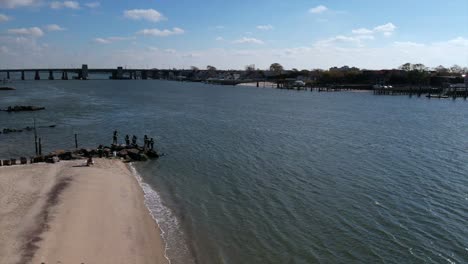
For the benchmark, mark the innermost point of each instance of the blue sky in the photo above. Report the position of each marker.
(231, 34)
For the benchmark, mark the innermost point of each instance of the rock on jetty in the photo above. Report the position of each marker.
(23, 108)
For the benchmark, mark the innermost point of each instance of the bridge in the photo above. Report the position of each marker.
(83, 73)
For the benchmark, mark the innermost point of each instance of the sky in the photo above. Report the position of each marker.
(302, 34)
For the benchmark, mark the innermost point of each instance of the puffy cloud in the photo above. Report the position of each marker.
(18, 3)
(54, 27)
(362, 31)
(4, 18)
(65, 4)
(318, 9)
(93, 4)
(246, 40)
(32, 32)
(144, 14)
(386, 29)
(161, 33)
(265, 27)
(109, 40)
(341, 39)
(389, 27)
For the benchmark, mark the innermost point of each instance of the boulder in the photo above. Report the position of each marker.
(133, 153)
(24, 160)
(6, 162)
(38, 159)
(152, 154)
(122, 153)
(66, 155)
(13, 161)
(53, 159)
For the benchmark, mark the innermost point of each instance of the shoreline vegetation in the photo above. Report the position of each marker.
(51, 213)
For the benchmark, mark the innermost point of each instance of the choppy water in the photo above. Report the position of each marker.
(256, 175)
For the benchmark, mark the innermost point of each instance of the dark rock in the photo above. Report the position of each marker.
(38, 159)
(6, 162)
(52, 159)
(152, 154)
(122, 153)
(23, 160)
(66, 155)
(134, 154)
(21, 108)
(13, 161)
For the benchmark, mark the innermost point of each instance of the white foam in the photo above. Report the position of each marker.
(171, 232)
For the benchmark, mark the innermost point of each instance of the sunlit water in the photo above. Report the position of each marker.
(257, 175)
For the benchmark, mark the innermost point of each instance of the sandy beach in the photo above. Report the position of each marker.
(68, 213)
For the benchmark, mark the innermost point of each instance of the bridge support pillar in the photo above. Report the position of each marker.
(51, 75)
(64, 75)
(37, 77)
(8, 75)
(22, 75)
(144, 75)
(134, 75)
(84, 72)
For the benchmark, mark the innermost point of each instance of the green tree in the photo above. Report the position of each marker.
(276, 68)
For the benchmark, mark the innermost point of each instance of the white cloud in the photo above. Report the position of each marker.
(341, 39)
(265, 27)
(389, 27)
(219, 39)
(362, 31)
(109, 40)
(18, 3)
(54, 27)
(318, 9)
(161, 33)
(32, 32)
(93, 4)
(386, 29)
(4, 18)
(144, 14)
(246, 40)
(65, 4)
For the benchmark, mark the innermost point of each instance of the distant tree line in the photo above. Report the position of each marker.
(406, 74)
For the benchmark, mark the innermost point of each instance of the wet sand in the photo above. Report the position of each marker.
(69, 213)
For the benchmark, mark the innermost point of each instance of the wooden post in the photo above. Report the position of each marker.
(76, 141)
(35, 136)
(40, 147)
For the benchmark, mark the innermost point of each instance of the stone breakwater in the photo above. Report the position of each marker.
(23, 108)
(128, 153)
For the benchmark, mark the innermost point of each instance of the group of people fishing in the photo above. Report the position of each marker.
(148, 142)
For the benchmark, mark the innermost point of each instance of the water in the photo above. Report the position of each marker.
(255, 175)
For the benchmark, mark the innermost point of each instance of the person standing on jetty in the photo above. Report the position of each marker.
(151, 143)
(134, 140)
(127, 140)
(114, 138)
(146, 142)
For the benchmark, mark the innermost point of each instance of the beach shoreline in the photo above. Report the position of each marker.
(70, 213)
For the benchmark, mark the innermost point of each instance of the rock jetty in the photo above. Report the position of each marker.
(23, 108)
(128, 153)
(5, 88)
